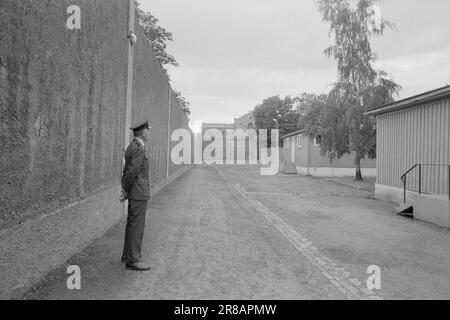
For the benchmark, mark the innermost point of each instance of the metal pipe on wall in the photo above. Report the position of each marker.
(131, 22)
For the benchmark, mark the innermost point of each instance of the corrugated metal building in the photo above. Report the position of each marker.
(304, 152)
(413, 149)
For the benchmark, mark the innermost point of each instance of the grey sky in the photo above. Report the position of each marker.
(233, 54)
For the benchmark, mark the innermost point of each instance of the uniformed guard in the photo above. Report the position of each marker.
(136, 188)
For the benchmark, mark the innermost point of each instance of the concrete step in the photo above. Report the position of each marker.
(405, 210)
(290, 168)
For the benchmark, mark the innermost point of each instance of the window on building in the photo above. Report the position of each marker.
(299, 141)
(250, 126)
(317, 140)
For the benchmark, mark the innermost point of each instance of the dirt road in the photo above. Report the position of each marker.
(229, 233)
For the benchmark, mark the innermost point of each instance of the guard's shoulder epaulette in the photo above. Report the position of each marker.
(139, 144)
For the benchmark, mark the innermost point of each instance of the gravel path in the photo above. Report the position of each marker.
(229, 233)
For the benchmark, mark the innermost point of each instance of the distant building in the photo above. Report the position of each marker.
(245, 122)
(413, 154)
(303, 152)
(222, 127)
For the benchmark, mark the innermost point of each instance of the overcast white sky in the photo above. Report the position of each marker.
(233, 54)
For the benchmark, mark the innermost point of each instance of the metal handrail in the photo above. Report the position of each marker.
(406, 173)
(404, 177)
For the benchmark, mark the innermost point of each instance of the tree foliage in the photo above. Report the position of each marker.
(275, 112)
(182, 101)
(156, 35)
(359, 87)
(322, 116)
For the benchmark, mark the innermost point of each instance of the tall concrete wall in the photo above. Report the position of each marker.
(62, 129)
(61, 103)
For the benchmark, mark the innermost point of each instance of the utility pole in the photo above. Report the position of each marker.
(130, 33)
(131, 21)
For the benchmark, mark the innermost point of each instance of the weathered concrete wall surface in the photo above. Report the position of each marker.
(152, 99)
(62, 129)
(61, 104)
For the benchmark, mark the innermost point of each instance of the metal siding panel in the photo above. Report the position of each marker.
(383, 156)
(434, 153)
(401, 132)
(444, 144)
(422, 145)
(434, 150)
(410, 147)
(394, 142)
(442, 147)
(413, 152)
(389, 146)
(416, 146)
(379, 146)
(443, 141)
(442, 153)
(439, 174)
(439, 159)
(429, 157)
(432, 170)
(380, 165)
(440, 139)
(393, 145)
(447, 141)
(425, 177)
(410, 150)
(386, 146)
(405, 146)
(384, 164)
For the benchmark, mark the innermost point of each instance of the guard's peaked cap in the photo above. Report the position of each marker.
(140, 125)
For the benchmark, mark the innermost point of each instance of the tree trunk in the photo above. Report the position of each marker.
(358, 176)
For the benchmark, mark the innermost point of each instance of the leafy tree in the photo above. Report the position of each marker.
(359, 86)
(156, 35)
(183, 102)
(321, 116)
(274, 113)
(310, 108)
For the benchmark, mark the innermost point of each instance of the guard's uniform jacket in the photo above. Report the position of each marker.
(135, 178)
